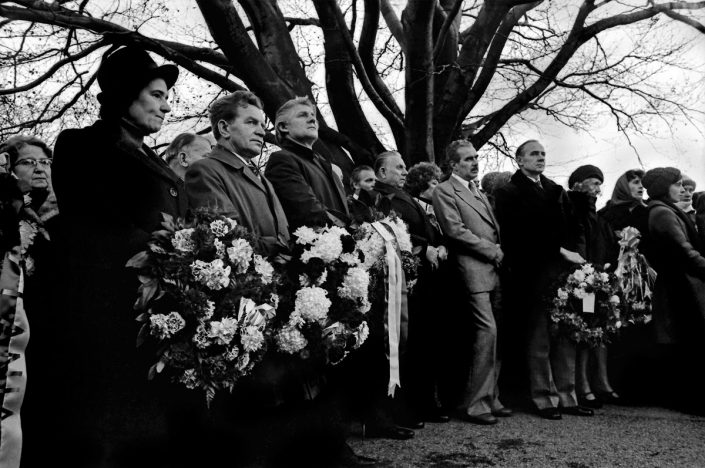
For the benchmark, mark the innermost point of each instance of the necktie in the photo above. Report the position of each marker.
(254, 169)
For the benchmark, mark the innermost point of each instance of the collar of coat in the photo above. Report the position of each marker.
(521, 180)
(299, 149)
(230, 159)
(690, 226)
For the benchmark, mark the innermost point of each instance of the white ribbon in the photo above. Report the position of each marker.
(394, 291)
(254, 314)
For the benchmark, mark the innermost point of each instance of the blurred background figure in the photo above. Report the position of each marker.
(184, 150)
(686, 201)
(492, 181)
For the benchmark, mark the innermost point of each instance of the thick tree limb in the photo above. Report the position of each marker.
(441, 38)
(393, 23)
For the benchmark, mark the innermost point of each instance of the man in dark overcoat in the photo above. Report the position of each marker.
(228, 181)
(310, 192)
(112, 190)
(538, 227)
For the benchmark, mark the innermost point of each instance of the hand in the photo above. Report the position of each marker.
(500, 256)
(442, 253)
(572, 257)
(432, 256)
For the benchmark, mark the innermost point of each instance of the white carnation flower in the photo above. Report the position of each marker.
(361, 334)
(219, 248)
(200, 338)
(208, 310)
(264, 269)
(224, 331)
(579, 276)
(312, 304)
(220, 227)
(290, 340)
(240, 255)
(604, 277)
(165, 326)
(214, 275)
(588, 269)
(183, 240)
(189, 378)
(562, 294)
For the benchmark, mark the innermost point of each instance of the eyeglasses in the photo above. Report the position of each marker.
(45, 163)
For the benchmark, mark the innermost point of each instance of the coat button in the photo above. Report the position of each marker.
(173, 192)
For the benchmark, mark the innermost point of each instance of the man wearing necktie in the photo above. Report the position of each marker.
(228, 182)
(311, 193)
(468, 222)
(538, 227)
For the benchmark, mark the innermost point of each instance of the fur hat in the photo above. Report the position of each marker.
(585, 172)
(658, 180)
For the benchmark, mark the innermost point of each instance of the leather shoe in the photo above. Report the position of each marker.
(485, 419)
(577, 411)
(593, 402)
(502, 413)
(550, 413)
(388, 432)
(610, 398)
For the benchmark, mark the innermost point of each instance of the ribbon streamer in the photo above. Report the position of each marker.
(394, 304)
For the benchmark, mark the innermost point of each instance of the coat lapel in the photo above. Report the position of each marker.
(230, 160)
(149, 160)
(464, 194)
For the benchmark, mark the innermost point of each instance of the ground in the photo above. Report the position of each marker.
(615, 437)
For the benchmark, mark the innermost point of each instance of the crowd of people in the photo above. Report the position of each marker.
(491, 251)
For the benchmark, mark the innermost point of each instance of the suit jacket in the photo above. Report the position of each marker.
(111, 193)
(307, 198)
(473, 233)
(223, 183)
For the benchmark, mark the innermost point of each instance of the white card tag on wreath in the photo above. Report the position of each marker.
(589, 303)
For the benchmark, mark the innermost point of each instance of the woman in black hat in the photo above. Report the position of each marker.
(112, 190)
(679, 293)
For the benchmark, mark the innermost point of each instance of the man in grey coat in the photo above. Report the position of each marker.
(467, 220)
(228, 181)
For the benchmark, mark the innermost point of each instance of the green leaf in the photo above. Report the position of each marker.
(142, 335)
(139, 260)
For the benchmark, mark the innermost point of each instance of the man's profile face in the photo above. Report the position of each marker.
(302, 124)
(533, 158)
(394, 172)
(467, 166)
(245, 132)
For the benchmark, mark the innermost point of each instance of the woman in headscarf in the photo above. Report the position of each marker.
(679, 292)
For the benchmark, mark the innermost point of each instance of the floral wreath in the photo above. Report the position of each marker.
(636, 278)
(573, 318)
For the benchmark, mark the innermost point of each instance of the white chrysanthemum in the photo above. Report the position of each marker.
(305, 235)
(219, 248)
(312, 304)
(355, 284)
(251, 338)
(327, 247)
(291, 340)
(214, 274)
(224, 331)
(361, 334)
(220, 227)
(183, 240)
(240, 255)
(371, 246)
(351, 259)
(165, 326)
(264, 268)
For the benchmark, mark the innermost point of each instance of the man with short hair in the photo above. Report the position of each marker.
(311, 193)
(184, 150)
(228, 181)
(537, 223)
(467, 219)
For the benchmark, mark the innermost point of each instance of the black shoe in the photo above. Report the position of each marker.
(411, 423)
(577, 411)
(502, 413)
(585, 400)
(435, 415)
(350, 459)
(485, 419)
(550, 413)
(388, 432)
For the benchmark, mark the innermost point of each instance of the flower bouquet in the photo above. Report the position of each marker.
(207, 299)
(636, 278)
(586, 308)
(324, 299)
